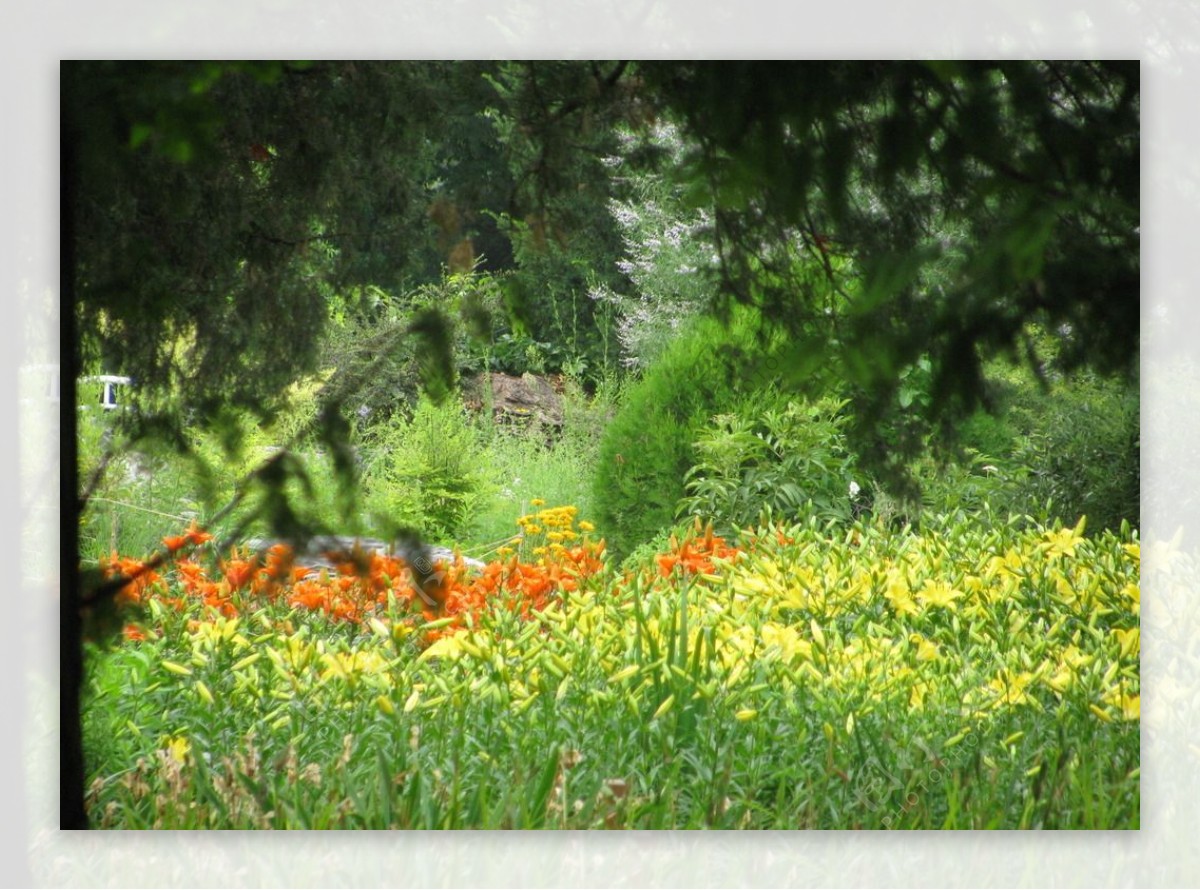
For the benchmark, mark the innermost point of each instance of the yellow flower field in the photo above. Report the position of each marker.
(961, 677)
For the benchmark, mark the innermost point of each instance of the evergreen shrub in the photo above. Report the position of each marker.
(647, 449)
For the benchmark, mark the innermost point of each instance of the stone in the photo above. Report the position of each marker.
(527, 399)
(329, 551)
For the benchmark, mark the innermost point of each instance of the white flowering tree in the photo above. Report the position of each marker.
(669, 254)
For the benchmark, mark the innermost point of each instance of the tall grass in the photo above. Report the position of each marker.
(523, 468)
(560, 469)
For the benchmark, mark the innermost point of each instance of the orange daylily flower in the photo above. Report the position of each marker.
(190, 574)
(193, 536)
(361, 588)
(696, 555)
(174, 542)
(140, 577)
(239, 572)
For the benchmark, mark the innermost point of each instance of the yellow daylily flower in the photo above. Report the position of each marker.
(1128, 705)
(1011, 688)
(917, 694)
(1133, 593)
(1129, 641)
(446, 647)
(927, 650)
(788, 640)
(899, 595)
(940, 594)
(1064, 541)
(178, 748)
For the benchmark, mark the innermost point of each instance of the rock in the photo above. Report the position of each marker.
(329, 551)
(525, 399)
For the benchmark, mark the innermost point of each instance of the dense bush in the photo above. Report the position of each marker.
(1071, 451)
(789, 458)
(1062, 447)
(1084, 454)
(546, 304)
(647, 449)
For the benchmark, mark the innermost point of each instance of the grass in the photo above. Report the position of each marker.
(966, 677)
(525, 469)
(497, 472)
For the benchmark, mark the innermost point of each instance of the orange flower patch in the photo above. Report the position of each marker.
(239, 572)
(695, 555)
(139, 574)
(279, 572)
(357, 589)
(190, 574)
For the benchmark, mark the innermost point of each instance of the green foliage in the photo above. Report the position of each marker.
(384, 349)
(943, 206)
(647, 449)
(424, 472)
(973, 198)
(966, 486)
(900, 223)
(142, 488)
(884, 214)
(788, 460)
(137, 492)
(641, 557)
(1081, 443)
(587, 412)
(554, 325)
(199, 268)
(1053, 446)
(1058, 445)
(558, 124)
(523, 465)
(518, 354)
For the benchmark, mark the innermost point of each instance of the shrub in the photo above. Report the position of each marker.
(968, 486)
(668, 249)
(1083, 450)
(789, 459)
(425, 472)
(1068, 452)
(647, 449)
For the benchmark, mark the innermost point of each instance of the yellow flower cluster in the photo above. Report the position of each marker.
(551, 530)
(1015, 602)
(885, 619)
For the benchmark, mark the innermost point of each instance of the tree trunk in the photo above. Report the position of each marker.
(72, 812)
